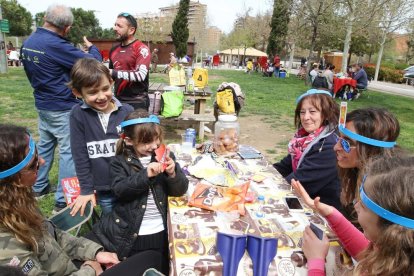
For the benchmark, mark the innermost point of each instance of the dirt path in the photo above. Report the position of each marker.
(268, 135)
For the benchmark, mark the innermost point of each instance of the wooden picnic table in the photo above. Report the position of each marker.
(199, 95)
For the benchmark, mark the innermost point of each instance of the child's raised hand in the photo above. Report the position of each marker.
(170, 169)
(315, 204)
(313, 247)
(154, 169)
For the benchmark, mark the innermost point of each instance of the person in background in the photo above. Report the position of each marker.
(302, 61)
(10, 45)
(368, 132)
(249, 66)
(130, 64)
(269, 70)
(276, 64)
(314, 72)
(14, 57)
(154, 60)
(311, 158)
(173, 60)
(320, 82)
(47, 58)
(93, 132)
(329, 74)
(30, 243)
(141, 185)
(386, 215)
(360, 76)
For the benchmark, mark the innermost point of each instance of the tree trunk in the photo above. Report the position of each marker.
(348, 36)
(292, 53)
(349, 57)
(347, 43)
(381, 50)
(310, 57)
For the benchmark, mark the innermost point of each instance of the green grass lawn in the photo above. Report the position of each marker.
(271, 97)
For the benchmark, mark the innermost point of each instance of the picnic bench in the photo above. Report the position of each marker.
(199, 96)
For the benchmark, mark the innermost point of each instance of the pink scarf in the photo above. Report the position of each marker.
(299, 142)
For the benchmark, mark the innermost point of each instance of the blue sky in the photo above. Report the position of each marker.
(220, 13)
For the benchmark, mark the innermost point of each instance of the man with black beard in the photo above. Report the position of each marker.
(129, 63)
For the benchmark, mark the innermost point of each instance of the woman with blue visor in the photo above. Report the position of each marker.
(368, 133)
(30, 243)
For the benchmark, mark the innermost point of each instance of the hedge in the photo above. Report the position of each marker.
(385, 73)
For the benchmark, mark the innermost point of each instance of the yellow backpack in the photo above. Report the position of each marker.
(200, 77)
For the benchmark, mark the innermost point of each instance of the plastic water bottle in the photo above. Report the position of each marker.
(189, 72)
(261, 202)
(190, 81)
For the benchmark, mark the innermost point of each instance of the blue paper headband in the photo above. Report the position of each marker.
(385, 214)
(366, 140)
(151, 119)
(312, 92)
(23, 163)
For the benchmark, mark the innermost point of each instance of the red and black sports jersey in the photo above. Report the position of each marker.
(130, 64)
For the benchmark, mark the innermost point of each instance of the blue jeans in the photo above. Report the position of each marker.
(106, 200)
(276, 72)
(54, 131)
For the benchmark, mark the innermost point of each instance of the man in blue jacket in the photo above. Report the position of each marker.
(360, 76)
(48, 58)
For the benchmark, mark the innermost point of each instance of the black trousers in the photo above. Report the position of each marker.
(157, 242)
(136, 264)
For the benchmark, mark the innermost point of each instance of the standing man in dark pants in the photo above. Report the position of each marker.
(47, 58)
(130, 63)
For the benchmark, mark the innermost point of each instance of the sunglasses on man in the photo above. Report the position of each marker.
(130, 19)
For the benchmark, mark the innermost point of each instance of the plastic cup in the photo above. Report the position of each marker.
(187, 143)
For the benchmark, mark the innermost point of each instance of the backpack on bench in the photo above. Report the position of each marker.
(229, 99)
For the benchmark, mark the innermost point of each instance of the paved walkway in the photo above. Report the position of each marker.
(392, 88)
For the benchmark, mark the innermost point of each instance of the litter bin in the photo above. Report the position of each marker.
(282, 74)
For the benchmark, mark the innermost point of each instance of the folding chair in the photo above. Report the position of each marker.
(66, 222)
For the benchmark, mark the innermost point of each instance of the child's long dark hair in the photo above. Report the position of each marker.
(139, 133)
(389, 184)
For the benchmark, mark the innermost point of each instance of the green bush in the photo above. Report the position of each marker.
(385, 73)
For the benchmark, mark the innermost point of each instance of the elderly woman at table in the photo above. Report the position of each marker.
(311, 158)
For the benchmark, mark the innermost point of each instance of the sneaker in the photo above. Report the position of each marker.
(41, 194)
(58, 207)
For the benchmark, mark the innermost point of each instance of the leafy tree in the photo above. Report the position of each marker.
(106, 33)
(279, 26)
(84, 24)
(20, 20)
(180, 32)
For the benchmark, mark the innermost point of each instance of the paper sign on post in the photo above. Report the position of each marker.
(342, 114)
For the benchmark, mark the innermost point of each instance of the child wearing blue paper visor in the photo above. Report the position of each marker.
(386, 214)
(141, 185)
(368, 132)
(311, 158)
